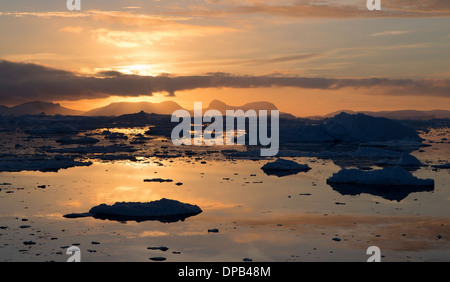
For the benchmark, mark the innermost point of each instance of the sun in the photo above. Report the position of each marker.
(141, 70)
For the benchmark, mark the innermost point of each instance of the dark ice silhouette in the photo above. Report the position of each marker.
(392, 183)
(164, 210)
(282, 167)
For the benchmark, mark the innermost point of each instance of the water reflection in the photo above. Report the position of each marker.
(163, 219)
(397, 193)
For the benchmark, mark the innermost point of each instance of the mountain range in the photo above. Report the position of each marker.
(168, 107)
(402, 114)
(38, 107)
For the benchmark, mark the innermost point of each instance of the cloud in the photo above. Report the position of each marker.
(389, 32)
(288, 8)
(324, 9)
(24, 82)
(130, 39)
(71, 29)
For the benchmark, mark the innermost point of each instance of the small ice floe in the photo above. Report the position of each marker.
(392, 183)
(82, 140)
(16, 164)
(160, 180)
(158, 258)
(93, 150)
(442, 166)
(282, 167)
(164, 210)
(114, 135)
(120, 157)
(77, 215)
(161, 248)
(29, 243)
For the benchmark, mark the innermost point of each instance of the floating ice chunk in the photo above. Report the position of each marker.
(164, 210)
(39, 164)
(444, 166)
(161, 248)
(389, 176)
(77, 215)
(160, 180)
(282, 164)
(93, 149)
(83, 140)
(282, 167)
(114, 135)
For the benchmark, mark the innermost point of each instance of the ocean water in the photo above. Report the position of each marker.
(263, 217)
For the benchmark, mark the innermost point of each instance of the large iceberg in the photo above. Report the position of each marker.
(389, 176)
(391, 183)
(164, 210)
(349, 128)
(360, 127)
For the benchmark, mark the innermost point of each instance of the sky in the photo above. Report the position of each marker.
(306, 57)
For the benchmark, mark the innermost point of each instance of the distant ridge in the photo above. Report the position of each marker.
(402, 114)
(124, 108)
(168, 107)
(38, 107)
(257, 106)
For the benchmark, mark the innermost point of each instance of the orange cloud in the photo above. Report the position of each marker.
(71, 29)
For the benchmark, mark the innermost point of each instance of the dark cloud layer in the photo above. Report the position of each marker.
(21, 82)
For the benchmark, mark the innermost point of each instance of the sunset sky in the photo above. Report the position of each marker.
(306, 57)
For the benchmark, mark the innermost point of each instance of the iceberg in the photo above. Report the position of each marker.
(406, 160)
(389, 176)
(164, 210)
(360, 127)
(391, 183)
(282, 167)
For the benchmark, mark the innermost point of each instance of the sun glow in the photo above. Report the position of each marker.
(142, 70)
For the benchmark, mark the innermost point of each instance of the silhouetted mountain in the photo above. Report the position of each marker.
(403, 114)
(257, 106)
(124, 108)
(38, 107)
